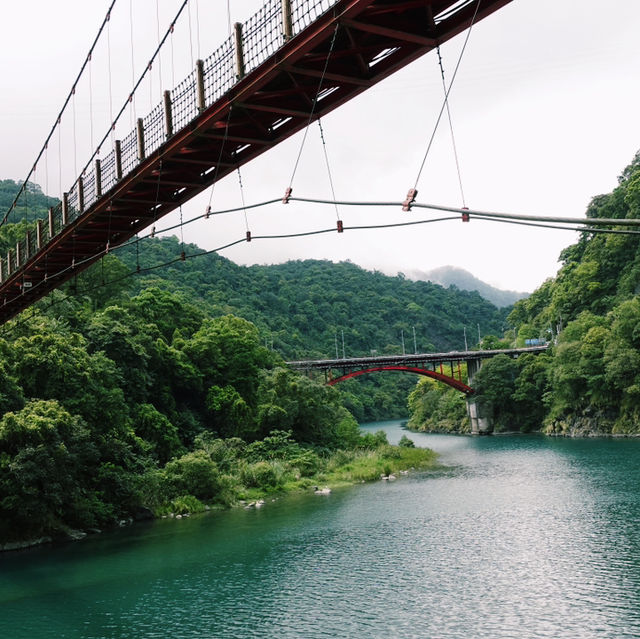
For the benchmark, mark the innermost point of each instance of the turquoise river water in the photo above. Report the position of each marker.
(518, 537)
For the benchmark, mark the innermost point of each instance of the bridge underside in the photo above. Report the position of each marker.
(450, 381)
(374, 38)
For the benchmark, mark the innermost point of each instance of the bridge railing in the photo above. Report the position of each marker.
(254, 42)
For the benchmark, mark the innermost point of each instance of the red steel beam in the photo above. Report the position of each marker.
(254, 110)
(450, 381)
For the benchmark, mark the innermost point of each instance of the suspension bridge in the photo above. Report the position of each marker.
(288, 65)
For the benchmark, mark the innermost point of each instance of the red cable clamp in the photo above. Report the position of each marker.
(340, 227)
(153, 231)
(465, 216)
(248, 236)
(411, 198)
(287, 195)
(207, 213)
(183, 257)
(106, 248)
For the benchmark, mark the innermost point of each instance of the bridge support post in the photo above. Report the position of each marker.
(39, 234)
(65, 209)
(80, 195)
(52, 230)
(481, 423)
(473, 366)
(287, 23)
(117, 148)
(97, 171)
(237, 30)
(200, 85)
(168, 115)
(140, 138)
(9, 260)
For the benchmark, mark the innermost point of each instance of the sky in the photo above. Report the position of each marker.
(544, 110)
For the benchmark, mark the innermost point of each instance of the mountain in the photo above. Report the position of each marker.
(448, 276)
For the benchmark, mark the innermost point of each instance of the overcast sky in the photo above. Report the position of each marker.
(544, 107)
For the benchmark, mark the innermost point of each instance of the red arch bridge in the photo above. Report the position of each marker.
(445, 367)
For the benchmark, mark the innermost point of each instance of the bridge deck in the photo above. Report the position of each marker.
(276, 96)
(408, 360)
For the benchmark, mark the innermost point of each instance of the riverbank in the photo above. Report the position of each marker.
(285, 469)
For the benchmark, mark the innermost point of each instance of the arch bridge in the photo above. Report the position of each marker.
(444, 367)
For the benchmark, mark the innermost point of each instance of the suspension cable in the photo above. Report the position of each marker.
(313, 105)
(326, 158)
(446, 96)
(58, 119)
(453, 137)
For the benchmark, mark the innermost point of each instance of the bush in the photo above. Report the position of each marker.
(405, 442)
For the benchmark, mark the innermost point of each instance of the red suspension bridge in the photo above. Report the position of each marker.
(290, 64)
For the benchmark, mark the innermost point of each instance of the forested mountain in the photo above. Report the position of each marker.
(589, 382)
(301, 306)
(453, 276)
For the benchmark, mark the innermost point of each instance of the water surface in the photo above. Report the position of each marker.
(520, 536)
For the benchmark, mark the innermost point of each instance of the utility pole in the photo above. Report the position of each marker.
(343, 355)
(336, 341)
(415, 344)
(466, 347)
(402, 337)
(479, 338)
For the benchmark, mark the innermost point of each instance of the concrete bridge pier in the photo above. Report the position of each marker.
(481, 423)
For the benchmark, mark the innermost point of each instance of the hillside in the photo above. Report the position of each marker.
(589, 382)
(448, 276)
(301, 306)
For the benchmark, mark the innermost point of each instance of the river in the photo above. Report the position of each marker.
(521, 536)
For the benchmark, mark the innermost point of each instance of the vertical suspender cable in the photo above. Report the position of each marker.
(453, 137)
(326, 158)
(62, 110)
(190, 35)
(198, 30)
(132, 113)
(244, 206)
(313, 106)
(446, 97)
(113, 124)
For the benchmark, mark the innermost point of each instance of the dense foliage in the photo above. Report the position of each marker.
(589, 382)
(161, 393)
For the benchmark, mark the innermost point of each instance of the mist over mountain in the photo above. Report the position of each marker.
(458, 277)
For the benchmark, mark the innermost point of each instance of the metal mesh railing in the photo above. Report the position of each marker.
(184, 103)
(219, 72)
(108, 175)
(154, 130)
(262, 35)
(304, 12)
(90, 195)
(129, 152)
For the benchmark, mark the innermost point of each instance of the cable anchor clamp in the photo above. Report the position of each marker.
(411, 198)
(465, 214)
(340, 226)
(287, 195)
(248, 236)
(207, 213)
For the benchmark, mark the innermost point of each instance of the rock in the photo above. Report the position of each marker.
(28, 543)
(142, 514)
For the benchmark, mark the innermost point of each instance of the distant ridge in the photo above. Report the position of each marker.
(453, 276)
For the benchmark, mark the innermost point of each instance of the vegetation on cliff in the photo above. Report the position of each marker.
(589, 381)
